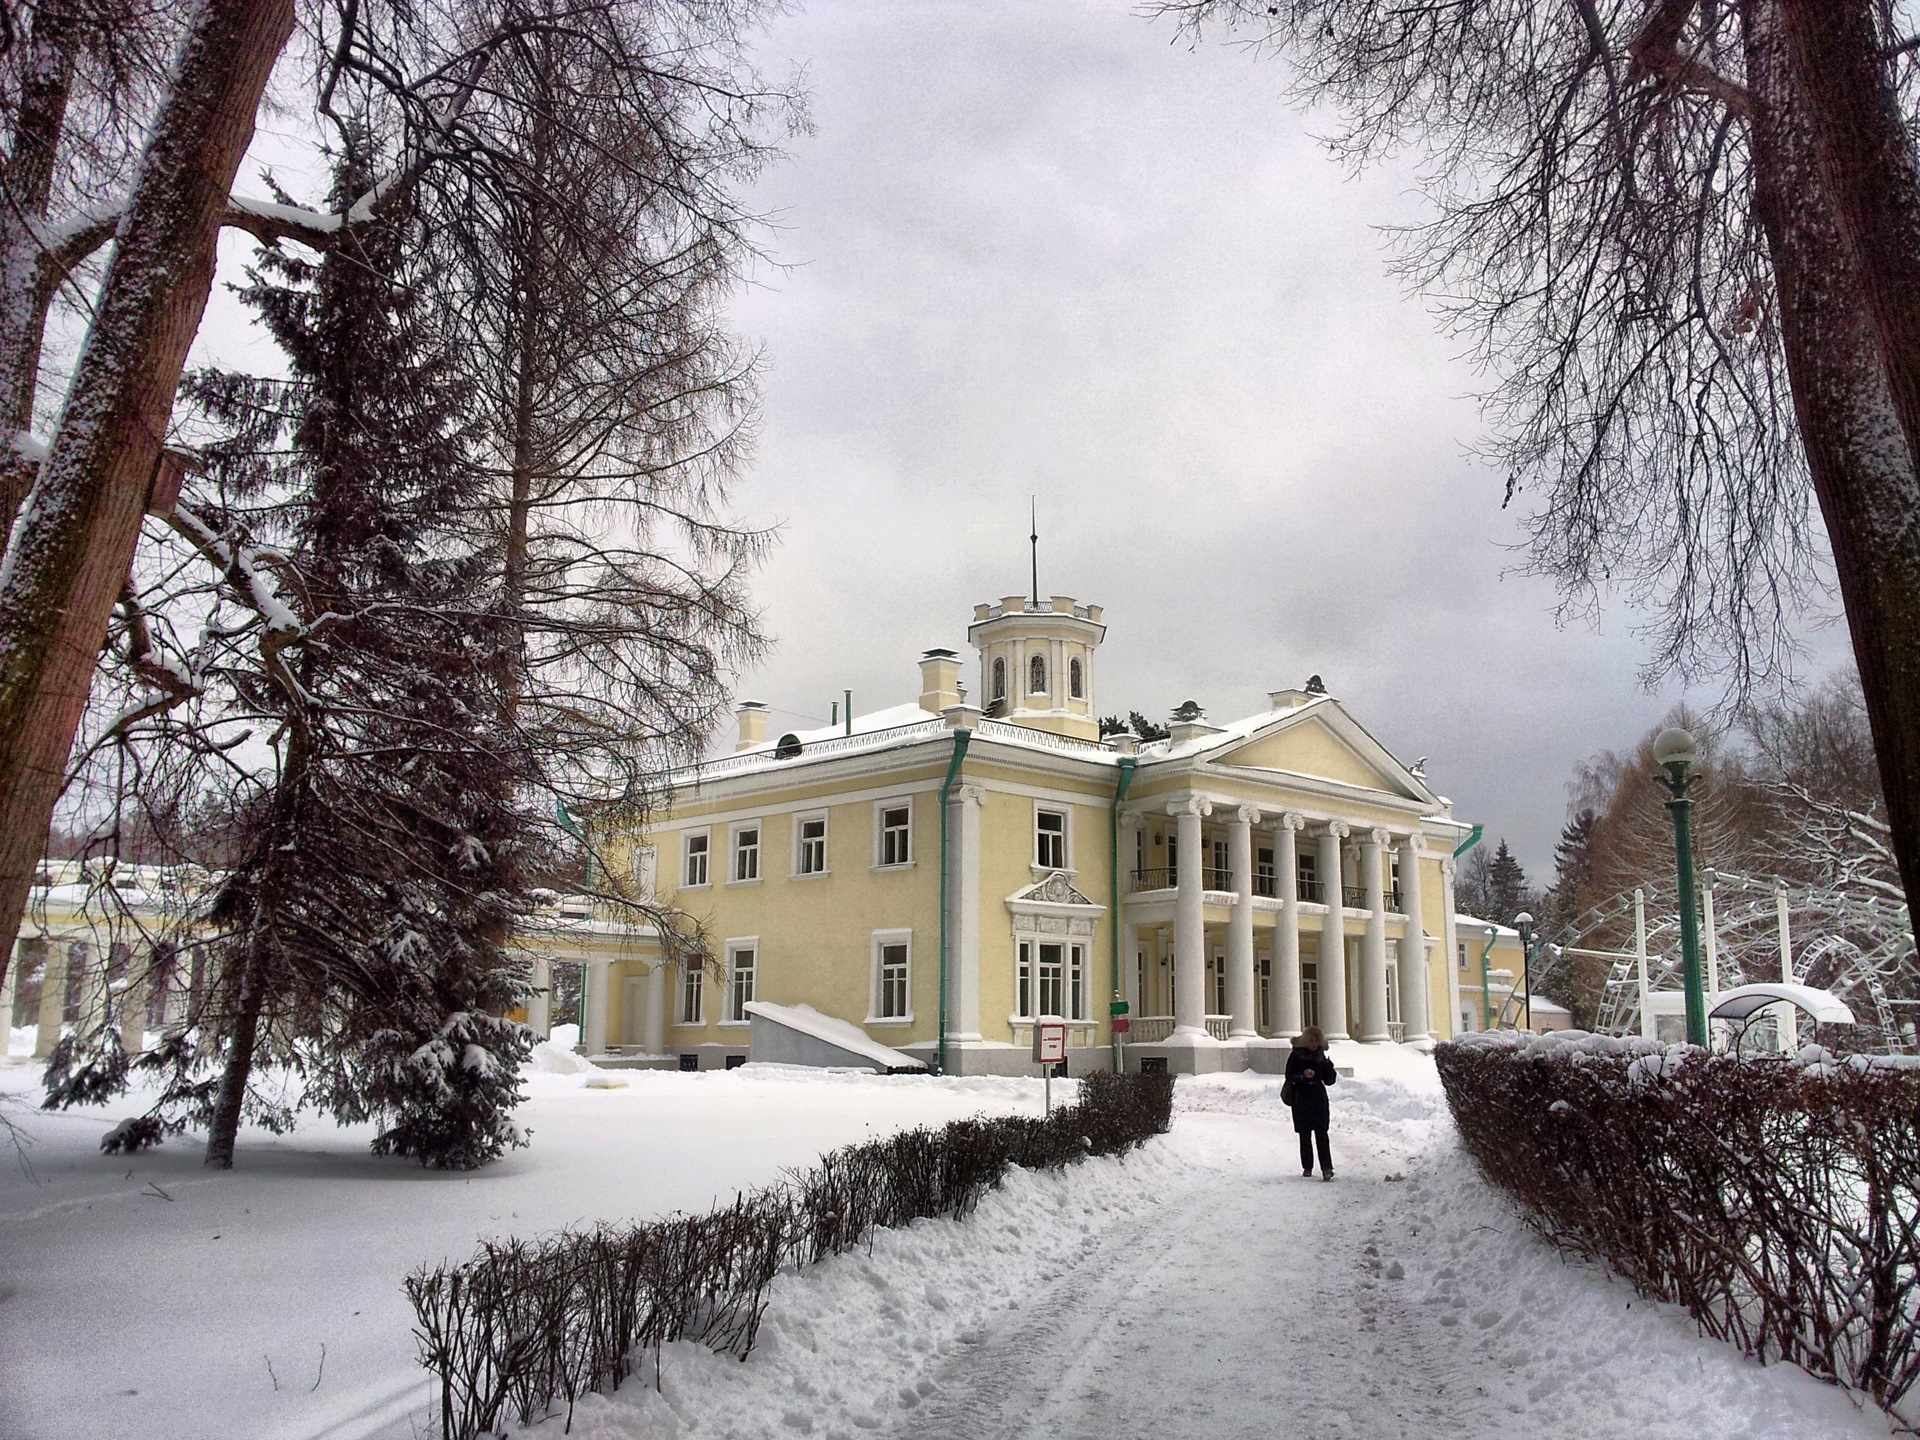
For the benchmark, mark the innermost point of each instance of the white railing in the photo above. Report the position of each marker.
(1396, 1031)
(832, 745)
(1152, 1029)
(1027, 735)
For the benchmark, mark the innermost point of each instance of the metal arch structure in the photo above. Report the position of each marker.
(1861, 947)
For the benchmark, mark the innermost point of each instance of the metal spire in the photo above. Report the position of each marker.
(1035, 538)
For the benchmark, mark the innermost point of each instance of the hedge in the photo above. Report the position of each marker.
(1775, 1199)
(524, 1325)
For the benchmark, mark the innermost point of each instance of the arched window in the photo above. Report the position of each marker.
(1000, 679)
(1037, 676)
(1075, 686)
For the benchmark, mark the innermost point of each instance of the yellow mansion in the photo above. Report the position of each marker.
(926, 880)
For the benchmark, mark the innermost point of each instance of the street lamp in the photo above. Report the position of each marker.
(1486, 980)
(1523, 922)
(1676, 751)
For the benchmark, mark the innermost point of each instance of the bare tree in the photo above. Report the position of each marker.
(1682, 237)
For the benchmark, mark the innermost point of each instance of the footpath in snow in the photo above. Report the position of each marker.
(1197, 1288)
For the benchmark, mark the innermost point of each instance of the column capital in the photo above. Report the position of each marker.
(1338, 829)
(1416, 843)
(970, 794)
(1293, 820)
(1378, 836)
(1448, 867)
(1246, 815)
(1190, 805)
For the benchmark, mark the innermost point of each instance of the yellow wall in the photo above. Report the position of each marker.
(1308, 748)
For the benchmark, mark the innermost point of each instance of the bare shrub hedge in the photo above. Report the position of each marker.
(1776, 1200)
(527, 1325)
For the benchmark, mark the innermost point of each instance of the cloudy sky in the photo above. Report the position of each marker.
(1047, 249)
(1050, 249)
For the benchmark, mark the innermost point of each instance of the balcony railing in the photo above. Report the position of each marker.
(1308, 890)
(1154, 877)
(1354, 897)
(1215, 878)
(1396, 1031)
(1152, 1029)
(1265, 886)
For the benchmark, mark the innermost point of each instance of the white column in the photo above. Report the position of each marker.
(8, 988)
(1450, 938)
(1333, 937)
(95, 999)
(1241, 990)
(131, 1007)
(593, 1033)
(53, 998)
(1189, 922)
(540, 1003)
(963, 911)
(1414, 1003)
(1373, 949)
(1286, 934)
(1131, 989)
(657, 1008)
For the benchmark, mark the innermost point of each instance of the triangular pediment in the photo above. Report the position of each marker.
(1054, 889)
(1326, 745)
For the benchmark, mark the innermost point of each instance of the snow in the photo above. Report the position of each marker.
(1198, 1287)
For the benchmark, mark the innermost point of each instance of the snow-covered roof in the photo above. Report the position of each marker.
(1464, 921)
(834, 1031)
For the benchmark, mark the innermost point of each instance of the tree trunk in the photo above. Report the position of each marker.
(243, 1037)
(75, 537)
(24, 289)
(1862, 466)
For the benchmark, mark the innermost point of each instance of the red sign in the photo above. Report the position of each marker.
(1121, 1024)
(1049, 1042)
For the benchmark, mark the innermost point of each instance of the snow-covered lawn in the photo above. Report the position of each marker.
(1197, 1288)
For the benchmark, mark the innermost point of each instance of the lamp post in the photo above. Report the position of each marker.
(1675, 751)
(1523, 922)
(1486, 981)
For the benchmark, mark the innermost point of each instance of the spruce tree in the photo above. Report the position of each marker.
(1506, 887)
(359, 934)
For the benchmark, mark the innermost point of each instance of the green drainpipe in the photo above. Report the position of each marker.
(960, 739)
(1127, 765)
(1473, 839)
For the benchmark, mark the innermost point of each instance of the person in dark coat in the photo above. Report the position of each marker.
(1311, 1070)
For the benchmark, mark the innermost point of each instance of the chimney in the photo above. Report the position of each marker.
(939, 681)
(752, 717)
(1288, 699)
(1190, 723)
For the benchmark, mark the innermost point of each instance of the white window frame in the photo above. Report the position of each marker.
(1076, 678)
(1036, 661)
(876, 1015)
(735, 851)
(690, 996)
(800, 842)
(1066, 837)
(998, 684)
(880, 809)
(748, 945)
(687, 853)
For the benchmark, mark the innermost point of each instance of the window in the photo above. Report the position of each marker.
(1218, 877)
(892, 960)
(696, 866)
(1050, 839)
(746, 853)
(1000, 679)
(1037, 676)
(1217, 982)
(742, 960)
(643, 870)
(1076, 684)
(691, 976)
(1263, 987)
(1309, 992)
(1463, 954)
(1393, 993)
(1306, 875)
(1263, 874)
(1051, 979)
(896, 834)
(813, 845)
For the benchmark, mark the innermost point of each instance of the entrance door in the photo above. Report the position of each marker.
(633, 1011)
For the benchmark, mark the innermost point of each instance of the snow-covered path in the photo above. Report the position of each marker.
(1246, 1299)
(1202, 1288)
